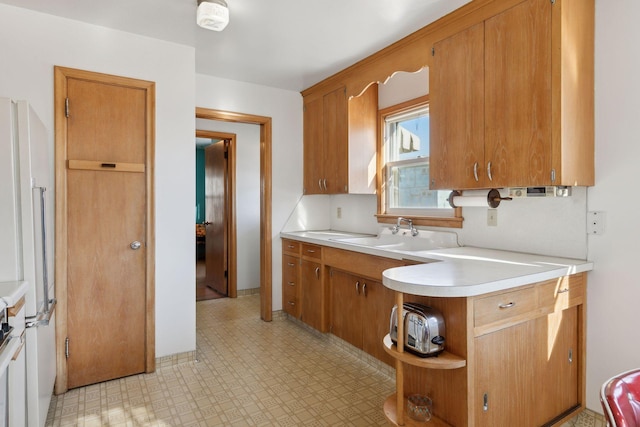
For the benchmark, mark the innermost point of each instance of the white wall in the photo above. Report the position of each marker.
(614, 286)
(32, 43)
(247, 197)
(285, 109)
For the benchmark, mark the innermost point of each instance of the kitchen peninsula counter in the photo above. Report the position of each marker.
(515, 323)
(454, 272)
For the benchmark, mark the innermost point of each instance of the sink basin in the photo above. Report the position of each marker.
(426, 240)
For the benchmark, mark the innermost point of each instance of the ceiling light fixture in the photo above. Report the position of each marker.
(213, 14)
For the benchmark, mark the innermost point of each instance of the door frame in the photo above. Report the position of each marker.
(266, 296)
(232, 255)
(61, 74)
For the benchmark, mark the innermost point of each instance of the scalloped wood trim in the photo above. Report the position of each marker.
(409, 54)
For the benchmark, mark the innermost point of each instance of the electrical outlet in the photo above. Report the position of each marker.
(492, 217)
(339, 212)
(595, 222)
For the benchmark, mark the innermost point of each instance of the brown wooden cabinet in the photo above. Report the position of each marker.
(524, 351)
(350, 301)
(359, 312)
(291, 285)
(304, 294)
(313, 292)
(291, 277)
(313, 295)
(456, 149)
(505, 106)
(339, 142)
(527, 374)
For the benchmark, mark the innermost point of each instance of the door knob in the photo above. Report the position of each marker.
(135, 245)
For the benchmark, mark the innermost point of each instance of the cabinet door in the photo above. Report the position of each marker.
(290, 285)
(506, 381)
(456, 150)
(559, 364)
(336, 148)
(313, 147)
(346, 307)
(518, 95)
(313, 295)
(376, 312)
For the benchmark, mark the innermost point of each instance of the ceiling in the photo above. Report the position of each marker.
(288, 44)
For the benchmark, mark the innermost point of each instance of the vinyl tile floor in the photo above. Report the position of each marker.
(248, 373)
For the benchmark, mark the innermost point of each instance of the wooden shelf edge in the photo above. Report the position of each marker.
(444, 360)
(390, 412)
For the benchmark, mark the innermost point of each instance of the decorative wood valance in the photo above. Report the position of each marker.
(409, 54)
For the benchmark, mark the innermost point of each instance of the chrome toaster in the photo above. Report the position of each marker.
(424, 329)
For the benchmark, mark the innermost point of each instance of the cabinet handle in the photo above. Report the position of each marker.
(320, 184)
(311, 251)
(364, 289)
(475, 171)
(357, 287)
(292, 284)
(325, 184)
(508, 305)
(291, 246)
(318, 272)
(292, 303)
(570, 355)
(290, 264)
(489, 171)
(485, 402)
(563, 291)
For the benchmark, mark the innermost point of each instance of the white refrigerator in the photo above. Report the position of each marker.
(26, 248)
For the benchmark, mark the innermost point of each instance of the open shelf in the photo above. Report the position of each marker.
(390, 411)
(444, 360)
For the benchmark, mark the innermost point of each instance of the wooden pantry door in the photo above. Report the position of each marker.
(104, 171)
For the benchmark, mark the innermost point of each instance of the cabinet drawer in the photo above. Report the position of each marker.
(290, 270)
(504, 308)
(291, 246)
(565, 292)
(311, 251)
(290, 301)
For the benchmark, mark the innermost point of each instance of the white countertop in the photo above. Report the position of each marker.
(456, 271)
(11, 292)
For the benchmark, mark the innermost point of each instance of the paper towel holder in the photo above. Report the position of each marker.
(493, 198)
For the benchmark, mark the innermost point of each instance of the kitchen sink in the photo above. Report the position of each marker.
(425, 240)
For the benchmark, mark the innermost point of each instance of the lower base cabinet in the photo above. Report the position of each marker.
(527, 374)
(522, 352)
(313, 311)
(359, 310)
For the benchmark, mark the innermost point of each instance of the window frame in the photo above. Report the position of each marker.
(454, 221)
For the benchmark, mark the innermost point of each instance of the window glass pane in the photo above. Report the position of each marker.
(407, 167)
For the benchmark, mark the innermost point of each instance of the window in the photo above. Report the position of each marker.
(404, 168)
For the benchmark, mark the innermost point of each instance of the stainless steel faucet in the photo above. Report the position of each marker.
(396, 228)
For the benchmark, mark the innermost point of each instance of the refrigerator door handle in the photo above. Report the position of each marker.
(42, 318)
(45, 270)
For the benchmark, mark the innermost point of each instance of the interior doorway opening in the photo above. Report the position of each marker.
(216, 255)
(265, 268)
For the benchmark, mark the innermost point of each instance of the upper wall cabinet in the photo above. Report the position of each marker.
(340, 142)
(512, 99)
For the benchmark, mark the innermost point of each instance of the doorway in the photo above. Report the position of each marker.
(265, 197)
(216, 254)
